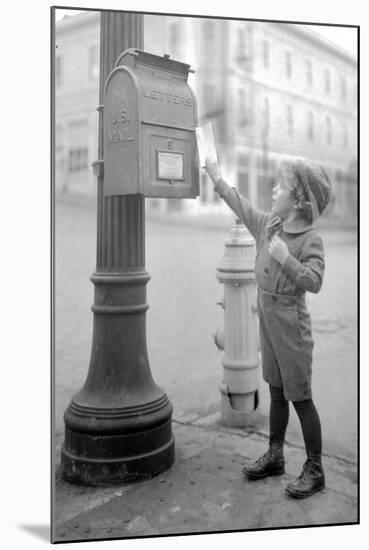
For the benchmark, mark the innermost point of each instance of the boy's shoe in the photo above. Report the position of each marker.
(310, 480)
(270, 464)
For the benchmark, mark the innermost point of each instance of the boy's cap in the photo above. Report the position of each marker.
(317, 185)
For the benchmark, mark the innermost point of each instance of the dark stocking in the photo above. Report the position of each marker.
(279, 413)
(310, 424)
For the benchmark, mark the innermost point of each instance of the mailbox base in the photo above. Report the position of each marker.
(99, 473)
(101, 460)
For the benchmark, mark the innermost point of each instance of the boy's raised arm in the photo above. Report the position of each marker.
(253, 219)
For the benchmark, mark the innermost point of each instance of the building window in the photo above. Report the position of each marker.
(310, 126)
(208, 99)
(327, 81)
(242, 114)
(93, 63)
(289, 119)
(309, 74)
(243, 183)
(208, 30)
(265, 53)
(243, 161)
(288, 64)
(343, 88)
(204, 188)
(266, 114)
(59, 147)
(241, 42)
(328, 127)
(77, 159)
(174, 38)
(215, 196)
(345, 136)
(243, 177)
(265, 180)
(58, 71)
(58, 134)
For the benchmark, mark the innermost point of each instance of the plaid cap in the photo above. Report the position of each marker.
(316, 184)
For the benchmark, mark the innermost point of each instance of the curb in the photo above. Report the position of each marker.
(216, 426)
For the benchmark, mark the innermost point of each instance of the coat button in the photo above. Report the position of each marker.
(266, 270)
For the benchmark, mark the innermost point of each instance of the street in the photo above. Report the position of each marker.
(183, 315)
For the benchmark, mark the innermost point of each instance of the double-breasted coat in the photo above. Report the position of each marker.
(284, 322)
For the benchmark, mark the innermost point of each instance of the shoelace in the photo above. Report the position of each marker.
(308, 470)
(269, 455)
(260, 461)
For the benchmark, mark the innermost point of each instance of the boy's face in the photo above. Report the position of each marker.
(282, 202)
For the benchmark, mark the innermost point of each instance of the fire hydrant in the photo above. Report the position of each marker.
(239, 338)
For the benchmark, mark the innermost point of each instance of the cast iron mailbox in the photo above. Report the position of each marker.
(150, 117)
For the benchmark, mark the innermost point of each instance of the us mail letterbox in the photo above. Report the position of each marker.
(150, 117)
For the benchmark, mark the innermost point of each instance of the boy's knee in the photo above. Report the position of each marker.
(303, 407)
(276, 393)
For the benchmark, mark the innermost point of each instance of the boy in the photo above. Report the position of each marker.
(289, 262)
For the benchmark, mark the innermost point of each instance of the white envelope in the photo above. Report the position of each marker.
(206, 143)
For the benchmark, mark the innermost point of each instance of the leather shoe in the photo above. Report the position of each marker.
(270, 464)
(310, 480)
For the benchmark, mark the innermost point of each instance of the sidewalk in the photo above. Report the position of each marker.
(205, 491)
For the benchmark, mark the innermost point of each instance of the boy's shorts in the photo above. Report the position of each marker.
(286, 344)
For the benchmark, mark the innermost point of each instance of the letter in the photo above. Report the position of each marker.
(189, 102)
(175, 99)
(146, 93)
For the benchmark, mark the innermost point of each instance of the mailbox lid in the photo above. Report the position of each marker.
(121, 135)
(136, 59)
(170, 169)
(165, 95)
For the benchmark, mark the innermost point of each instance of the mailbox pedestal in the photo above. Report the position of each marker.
(118, 427)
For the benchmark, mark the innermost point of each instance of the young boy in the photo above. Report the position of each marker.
(289, 262)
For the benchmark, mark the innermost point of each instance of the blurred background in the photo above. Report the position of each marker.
(271, 90)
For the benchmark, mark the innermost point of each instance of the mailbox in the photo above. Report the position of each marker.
(150, 117)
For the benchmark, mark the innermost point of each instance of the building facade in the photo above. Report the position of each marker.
(272, 91)
(76, 98)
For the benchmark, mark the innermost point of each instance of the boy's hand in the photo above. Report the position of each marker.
(278, 249)
(212, 169)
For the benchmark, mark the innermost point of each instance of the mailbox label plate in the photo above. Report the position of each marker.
(170, 165)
